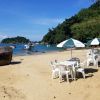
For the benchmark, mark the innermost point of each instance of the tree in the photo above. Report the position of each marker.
(17, 39)
(83, 26)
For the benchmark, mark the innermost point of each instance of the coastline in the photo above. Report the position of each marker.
(38, 53)
(29, 78)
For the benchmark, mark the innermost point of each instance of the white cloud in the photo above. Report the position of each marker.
(47, 21)
(3, 36)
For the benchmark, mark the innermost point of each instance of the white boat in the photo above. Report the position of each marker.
(28, 46)
(13, 47)
(48, 45)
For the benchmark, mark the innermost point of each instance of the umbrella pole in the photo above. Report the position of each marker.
(71, 52)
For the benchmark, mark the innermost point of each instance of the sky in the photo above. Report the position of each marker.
(33, 18)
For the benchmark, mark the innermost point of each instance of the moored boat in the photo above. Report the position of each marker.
(28, 46)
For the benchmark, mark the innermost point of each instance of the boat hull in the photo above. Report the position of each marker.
(5, 55)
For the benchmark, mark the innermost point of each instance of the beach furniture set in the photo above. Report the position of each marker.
(72, 67)
(69, 69)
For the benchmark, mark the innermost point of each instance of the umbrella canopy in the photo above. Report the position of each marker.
(95, 41)
(70, 43)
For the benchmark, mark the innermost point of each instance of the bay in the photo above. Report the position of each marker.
(19, 49)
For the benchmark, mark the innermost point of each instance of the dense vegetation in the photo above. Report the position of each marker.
(17, 39)
(83, 26)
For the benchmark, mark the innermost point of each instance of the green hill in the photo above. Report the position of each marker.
(83, 26)
(17, 39)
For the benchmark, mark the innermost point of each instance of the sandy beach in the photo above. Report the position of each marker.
(29, 78)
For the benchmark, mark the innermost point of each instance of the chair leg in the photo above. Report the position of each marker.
(72, 75)
(87, 63)
(96, 64)
(77, 74)
(83, 74)
(60, 78)
(67, 77)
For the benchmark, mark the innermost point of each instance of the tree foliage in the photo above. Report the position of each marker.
(17, 39)
(83, 26)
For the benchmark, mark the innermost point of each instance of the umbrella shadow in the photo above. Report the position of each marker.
(88, 73)
(99, 64)
(15, 62)
(90, 70)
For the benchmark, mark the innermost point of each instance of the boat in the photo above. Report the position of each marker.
(28, 46)
(13, 46)
(5, 55)
(48, 45)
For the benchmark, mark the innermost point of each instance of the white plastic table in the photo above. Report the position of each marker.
(69, 64)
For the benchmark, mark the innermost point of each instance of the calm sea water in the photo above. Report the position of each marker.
(37, 49)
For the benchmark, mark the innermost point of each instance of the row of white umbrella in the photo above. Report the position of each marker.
(71, 43)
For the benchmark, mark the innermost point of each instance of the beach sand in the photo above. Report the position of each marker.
(29, 78)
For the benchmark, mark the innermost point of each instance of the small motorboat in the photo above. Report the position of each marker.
(48, 45)
(13, 47)
(28, 46)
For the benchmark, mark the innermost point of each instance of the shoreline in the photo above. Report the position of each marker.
(38, 53)
(44, 52)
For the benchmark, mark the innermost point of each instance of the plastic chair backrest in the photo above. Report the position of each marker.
(52, 65)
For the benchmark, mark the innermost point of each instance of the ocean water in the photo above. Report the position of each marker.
(37, 49)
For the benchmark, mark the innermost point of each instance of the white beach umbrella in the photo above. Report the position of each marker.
(95, 41)
(71, 43)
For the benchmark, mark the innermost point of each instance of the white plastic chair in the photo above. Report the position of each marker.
(96, 62)
(93, 59)
(55, 70)
(63, 72)
(79, 69)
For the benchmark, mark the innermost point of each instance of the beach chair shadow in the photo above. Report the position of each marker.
(90, 70)
(88, 73)
(99, 64)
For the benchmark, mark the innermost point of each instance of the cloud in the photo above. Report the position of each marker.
(47, 21)
(3, 36)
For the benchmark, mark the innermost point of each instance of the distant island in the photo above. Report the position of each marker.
(14, 40)
(83, 26)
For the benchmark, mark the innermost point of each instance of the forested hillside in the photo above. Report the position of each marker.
(83, 26)
(17, 39)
